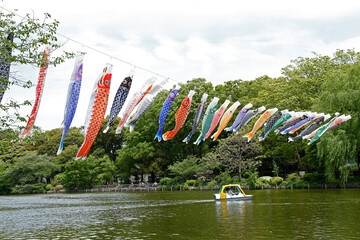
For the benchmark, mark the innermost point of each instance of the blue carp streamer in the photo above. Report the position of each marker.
(72, 97)
(164, 111)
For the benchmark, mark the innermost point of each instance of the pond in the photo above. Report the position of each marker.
(271, 214)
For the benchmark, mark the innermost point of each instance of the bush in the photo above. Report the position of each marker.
(292, 178)
(28, 188)
(262, 182)
(252, 179)
(310, 178)
(201, 180)
(165, 181)
(276, 181)
(192, 183)
(49, 187)
(301, 184)
(223, 178)
(212, 184)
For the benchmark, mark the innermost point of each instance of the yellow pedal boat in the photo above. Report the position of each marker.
(231, 192)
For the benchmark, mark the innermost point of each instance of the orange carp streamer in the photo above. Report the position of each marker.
(225, 120)
(265, 116)
(96, 111)
(180, 116)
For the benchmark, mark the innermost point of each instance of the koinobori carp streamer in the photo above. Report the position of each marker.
(225, 119)
(199, 112)
(265, 116)
(5, 64)
(136, 99)
(164, 111)
(180, 116)
(239, 117)
(38, 93)
(248, 116)
(72, 97)
(119, 99)
(144, 105)
(208, 116)
(216, 118)
(96, 110)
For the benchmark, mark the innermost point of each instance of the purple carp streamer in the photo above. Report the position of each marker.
(239, 117)
(5, 65)
(144, 105)
(295, 118)
(248, 116)
(303, 119)
(96, 111)
(72, 98)
(198, 115)
(38, 94)
(164, 111)
(136, 99)
(119, 100)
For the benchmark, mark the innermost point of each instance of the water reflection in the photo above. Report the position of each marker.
(232, 217)
(282, 214)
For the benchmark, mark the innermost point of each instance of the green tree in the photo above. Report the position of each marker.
(237, 154)
(29, 169)
(83, 174)
(340, 93)
(29, 36)
(186, 169)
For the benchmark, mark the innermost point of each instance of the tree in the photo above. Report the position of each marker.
(186, 169)
(340, 93)
(82, 174)
(236, 153)
(29, 35)
(29, 169)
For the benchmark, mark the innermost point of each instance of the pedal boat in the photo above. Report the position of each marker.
(225, 193)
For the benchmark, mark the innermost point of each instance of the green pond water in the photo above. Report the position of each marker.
(271, 214)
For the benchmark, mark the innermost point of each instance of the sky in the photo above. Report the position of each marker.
(182, 40)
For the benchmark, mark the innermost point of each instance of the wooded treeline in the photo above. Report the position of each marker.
(319, 84)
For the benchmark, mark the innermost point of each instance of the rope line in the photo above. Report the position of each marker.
(101, 52)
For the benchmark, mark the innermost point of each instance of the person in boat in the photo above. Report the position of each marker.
(230, 192)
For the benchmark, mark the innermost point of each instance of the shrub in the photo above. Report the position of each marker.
(301, 184)
(309, 177)
(165, 181)
(192, 183)
(201, 180)
(262, 182)
(223, 178)
(252, 179)
(212, 184)
(276, 181)
(292, 177)
(49, 187)
(28, 188)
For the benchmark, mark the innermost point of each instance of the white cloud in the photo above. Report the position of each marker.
(184, 40)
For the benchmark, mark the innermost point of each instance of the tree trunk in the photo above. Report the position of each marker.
(298, 155)
(240, 172)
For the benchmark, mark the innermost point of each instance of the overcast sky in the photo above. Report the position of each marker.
(216, 40)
